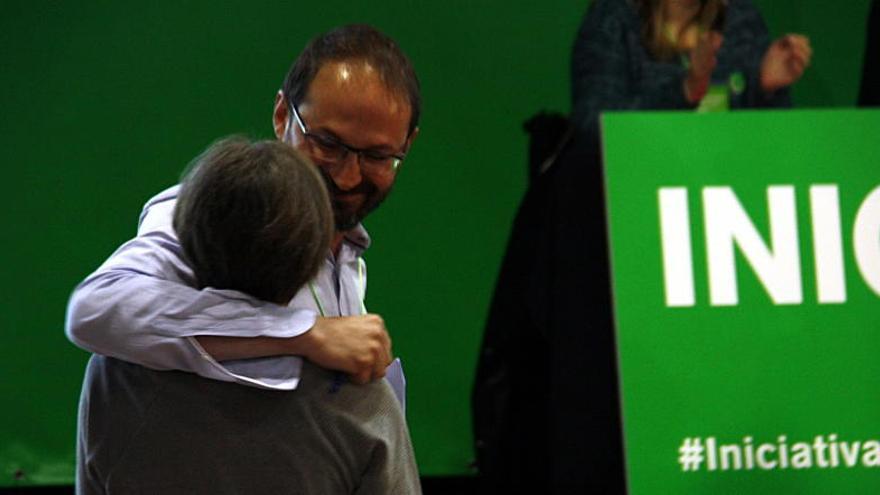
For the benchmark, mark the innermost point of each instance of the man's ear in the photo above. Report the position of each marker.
(280, 118)
(412, 137)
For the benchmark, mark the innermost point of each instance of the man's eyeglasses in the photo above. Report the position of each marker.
(331, 150)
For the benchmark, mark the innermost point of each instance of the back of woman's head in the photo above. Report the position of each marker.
(253, 217)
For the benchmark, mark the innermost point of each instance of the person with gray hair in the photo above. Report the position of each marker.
(254, 221)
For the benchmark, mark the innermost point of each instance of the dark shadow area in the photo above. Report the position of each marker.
(431, 485)
(545, 398)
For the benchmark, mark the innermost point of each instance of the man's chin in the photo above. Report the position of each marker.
(346, 223)
(346, 220)
(348, 216)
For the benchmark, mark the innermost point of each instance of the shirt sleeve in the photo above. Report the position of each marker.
(140, 306)
(600, 68)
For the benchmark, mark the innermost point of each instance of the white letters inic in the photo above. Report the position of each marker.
(777, 268)
(827, 244)
(866, 240)
(675, 238)
(726, 223)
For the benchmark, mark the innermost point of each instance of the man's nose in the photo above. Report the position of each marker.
(347, 173)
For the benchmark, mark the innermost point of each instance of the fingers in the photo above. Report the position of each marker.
(796, 67)
(803, 54)
(379, 370)
(383, 355)
(373, 368)
(357, 345)
(799, 40)
(799, 54)
(382, 340)
(362, 378)
(377, 351)
(708, 43)
(381, 352)
(798, 46)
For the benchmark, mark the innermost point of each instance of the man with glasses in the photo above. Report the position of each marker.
(351, 103)
(331, 151)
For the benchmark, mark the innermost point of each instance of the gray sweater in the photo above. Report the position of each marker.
(166, 432)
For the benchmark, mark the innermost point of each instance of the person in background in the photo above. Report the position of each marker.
(546, 408)
(671, 54)
(254, 221)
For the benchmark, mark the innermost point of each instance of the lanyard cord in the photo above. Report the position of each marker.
(314, 291)
(339, 377)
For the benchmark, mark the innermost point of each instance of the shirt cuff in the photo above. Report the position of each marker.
(272, 373)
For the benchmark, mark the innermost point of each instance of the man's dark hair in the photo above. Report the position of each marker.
(355, 42)
(253, 217)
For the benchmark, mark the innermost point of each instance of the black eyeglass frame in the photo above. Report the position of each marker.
(369, 160)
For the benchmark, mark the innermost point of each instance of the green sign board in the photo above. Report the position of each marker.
(746, 277)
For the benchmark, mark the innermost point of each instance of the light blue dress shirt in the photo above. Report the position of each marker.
(141, 306)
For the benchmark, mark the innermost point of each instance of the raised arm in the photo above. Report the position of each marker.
(140, 306)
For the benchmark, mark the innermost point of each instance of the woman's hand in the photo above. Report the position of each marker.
(702, 62)
(785, 62)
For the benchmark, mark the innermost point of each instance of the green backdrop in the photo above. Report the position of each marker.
(103, 103)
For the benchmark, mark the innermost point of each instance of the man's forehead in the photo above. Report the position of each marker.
(357, 86)
(356, 76)
(348, 70)
(351, 101)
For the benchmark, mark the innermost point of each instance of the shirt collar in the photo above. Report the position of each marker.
(358, 238)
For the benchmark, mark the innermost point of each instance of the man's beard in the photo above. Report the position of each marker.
(344, 216)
